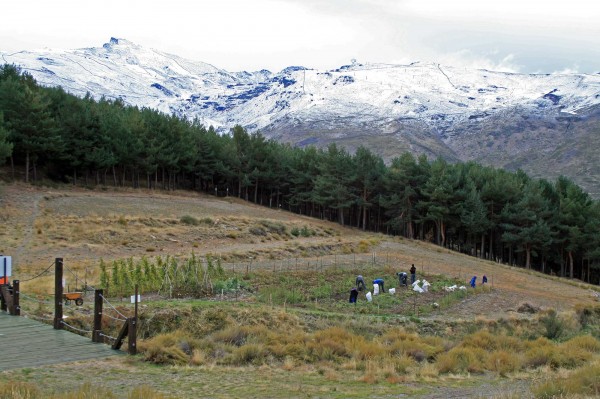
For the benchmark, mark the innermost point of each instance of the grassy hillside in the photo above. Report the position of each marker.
(275, 319)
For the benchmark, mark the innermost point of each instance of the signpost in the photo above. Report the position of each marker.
(5, 269)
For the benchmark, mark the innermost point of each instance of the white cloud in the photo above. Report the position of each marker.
(511, 35)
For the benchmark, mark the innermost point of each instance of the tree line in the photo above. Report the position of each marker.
(509, 217)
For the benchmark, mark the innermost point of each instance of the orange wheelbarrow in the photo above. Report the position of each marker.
(73, 296)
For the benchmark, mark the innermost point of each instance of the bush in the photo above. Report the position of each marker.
(173, 348)
(18, 390)
(257, 231)
(460, 360)
(503, 362)
(306, 232)
(583, 381)
(229, 285)
(280, 295)
(248, 354)
(585, 342)
(273, 227)
(189, 220)
(553, 325)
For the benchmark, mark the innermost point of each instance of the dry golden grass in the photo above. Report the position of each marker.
(583, 382)
(20, 390)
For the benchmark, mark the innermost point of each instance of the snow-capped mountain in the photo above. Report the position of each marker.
(498, 118)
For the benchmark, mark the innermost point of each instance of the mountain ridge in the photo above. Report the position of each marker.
(542, 123)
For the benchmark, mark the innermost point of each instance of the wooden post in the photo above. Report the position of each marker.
(96, 337)
(131, 338)
(3, 306)
(58, 294)
(16, 308)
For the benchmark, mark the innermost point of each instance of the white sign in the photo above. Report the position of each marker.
(5, 266)
(133, 298)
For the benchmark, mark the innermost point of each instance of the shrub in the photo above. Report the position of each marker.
(258, 231)
(173, 348)
(583, 381)
(280, 295)
(295, 231)
(247, 354)
(144, 392)
(489, 342)
(538, 356)
(553, 325)
(18, 390)
(189, 220)
(503, 362)
(306, 232)
(229, 285)
(569, 357)
(402, 364)
(460, 360)
(273, 227)
(585, 342)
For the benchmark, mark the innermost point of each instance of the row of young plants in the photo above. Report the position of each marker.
(168, 276)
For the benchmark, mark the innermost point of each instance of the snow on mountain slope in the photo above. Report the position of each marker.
(437, 95)
(544, 124)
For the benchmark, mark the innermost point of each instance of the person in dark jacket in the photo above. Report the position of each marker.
(353, 295)
(360, 283)
(413, 274)
(402, 278)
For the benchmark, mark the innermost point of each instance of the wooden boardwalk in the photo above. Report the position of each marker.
(29, 343)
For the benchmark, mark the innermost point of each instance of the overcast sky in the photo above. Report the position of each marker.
(531, 36)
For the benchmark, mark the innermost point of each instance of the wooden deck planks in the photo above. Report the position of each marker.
(29, 343)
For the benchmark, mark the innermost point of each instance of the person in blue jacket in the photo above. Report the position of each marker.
(380, 283)
(473, 281)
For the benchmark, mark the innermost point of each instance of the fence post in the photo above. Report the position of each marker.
(132, 337)
(16, 306)
(3, 306)
(58, 294)
(96, 337)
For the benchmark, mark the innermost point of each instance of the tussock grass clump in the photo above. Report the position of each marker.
(570, 354)
(585, 342)
(274, 227)
(24, 390)
(503, 362)
(240, 335)
(461, 360)
(489, 342)
(584, 381)
(255, 354)
(173, 348)
(329, 344)
(401, 343)
(18, 390)
(189, 220)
